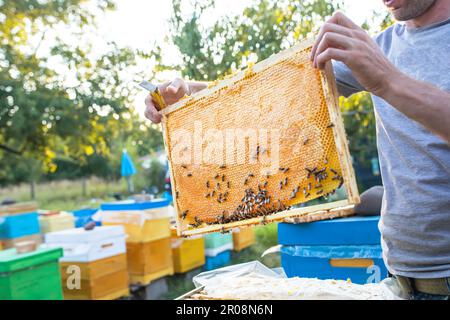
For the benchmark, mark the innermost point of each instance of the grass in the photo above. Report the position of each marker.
(66, 194)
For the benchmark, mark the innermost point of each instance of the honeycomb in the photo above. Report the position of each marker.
(254, 147)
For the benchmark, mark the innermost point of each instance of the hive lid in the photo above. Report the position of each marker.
(133, 205)
(79, 235)
(344, 231)
(18, 208)
(10, 260)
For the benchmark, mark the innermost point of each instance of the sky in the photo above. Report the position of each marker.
(140, 23)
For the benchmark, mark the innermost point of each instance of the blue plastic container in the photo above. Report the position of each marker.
(347, 248)
(19, 225)
(129, 205)
(218, 261)
(84, 216)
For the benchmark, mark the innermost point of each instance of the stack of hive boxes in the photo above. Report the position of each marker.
(30, 276)
(243, 238)
(19, 222)
(52, 221)
(218, 248)
(94, 265)
(346, 248)
(147, 225)
(188, 253)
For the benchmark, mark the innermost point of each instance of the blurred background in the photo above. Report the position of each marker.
(69, 104)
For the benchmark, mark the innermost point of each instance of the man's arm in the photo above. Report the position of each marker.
(172, 92)
(342, 40)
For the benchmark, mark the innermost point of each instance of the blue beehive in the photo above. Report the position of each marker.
(218, 261)
(19, 225)
(84, 216)
(347, 248)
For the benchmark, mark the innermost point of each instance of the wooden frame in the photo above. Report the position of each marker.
(331, 94)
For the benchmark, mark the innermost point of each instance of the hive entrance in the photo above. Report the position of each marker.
(245, 150)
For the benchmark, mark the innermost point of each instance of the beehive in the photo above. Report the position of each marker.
(248, 148)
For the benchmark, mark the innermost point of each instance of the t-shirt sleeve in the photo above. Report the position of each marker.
(346, 82)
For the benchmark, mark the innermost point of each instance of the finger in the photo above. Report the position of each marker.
(341, 19)
(175, 86)
(331, 54)
(151, 112)
(333, 40)
(329, 27)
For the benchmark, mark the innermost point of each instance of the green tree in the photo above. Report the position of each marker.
(43, 119)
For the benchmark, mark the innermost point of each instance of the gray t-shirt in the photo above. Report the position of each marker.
(415, 163)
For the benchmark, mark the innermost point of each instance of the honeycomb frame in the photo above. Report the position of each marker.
(325, 81)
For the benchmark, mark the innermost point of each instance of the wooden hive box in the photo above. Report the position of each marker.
(246, 149)
(104, 279)
(188, 254)
(148, 261)
(243, 238)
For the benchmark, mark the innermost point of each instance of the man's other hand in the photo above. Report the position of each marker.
(342, 40)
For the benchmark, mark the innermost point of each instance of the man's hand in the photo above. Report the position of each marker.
(342, 40)
(172, 91)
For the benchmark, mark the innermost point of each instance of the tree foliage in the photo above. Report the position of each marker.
(62, 104)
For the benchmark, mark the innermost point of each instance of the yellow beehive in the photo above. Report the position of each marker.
(188, 253)
(137, 227)
(56, 221)
(245, 150)
(104, 279)
(243, 238)
(150, 260)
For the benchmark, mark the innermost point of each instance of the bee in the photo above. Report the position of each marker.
(304, 191)
(222, 166)
(251, 175)
(341, 183)
(189, 174)
(184, 166)
(320, 191)
(207, 195)
(334, 171)
(223, 178)
(217, 185)
(198, 221)
(207, 184)
(309, 186)
(305, 141)
(281, 185)
(216, 176)
(281, 169)
(184, 214)
(225, 194)
(285, 181)
(307, 195)
(265, 184)
(213, 193)
(177, 193)
(228, 184)
(331, 125)
(246, 181)
(318, 186)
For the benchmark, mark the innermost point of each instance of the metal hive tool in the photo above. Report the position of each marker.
(223, 144)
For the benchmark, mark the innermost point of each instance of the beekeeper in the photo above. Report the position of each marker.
(406, 68)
